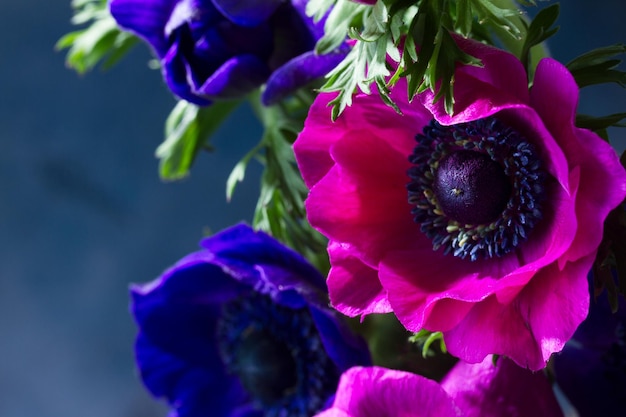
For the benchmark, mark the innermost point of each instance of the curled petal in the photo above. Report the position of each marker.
(257, 260)
(235, 78)
(499, 83)
(297, 72)
(146, 18)
(354, 287)
(375, 391)
(532, 327)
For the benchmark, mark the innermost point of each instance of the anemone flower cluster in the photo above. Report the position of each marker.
(482, 224)
(223, 49)
(242, 328)
(479, 390)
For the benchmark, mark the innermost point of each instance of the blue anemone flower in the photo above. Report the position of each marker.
(223, 49)
(241, 328)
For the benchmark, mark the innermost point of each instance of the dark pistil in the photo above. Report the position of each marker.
(265, 367)
(277, 354)
(476, 188)
(471, 188)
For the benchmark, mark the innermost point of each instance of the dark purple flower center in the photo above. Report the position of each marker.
(265, 366)
(476, 188)
(471, 188)
(277, 354)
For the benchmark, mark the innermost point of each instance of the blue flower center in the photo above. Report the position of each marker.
(277, 354)
(476, 188)
(265, 366)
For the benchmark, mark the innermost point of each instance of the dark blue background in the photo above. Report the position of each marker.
(83, 213)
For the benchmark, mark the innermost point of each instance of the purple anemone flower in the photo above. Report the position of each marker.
(591, 369)
(483, 224)
(241, 328)
(479, 390)
(224, 49)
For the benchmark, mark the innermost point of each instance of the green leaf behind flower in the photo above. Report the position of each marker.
(539, 30)
(599, 66)
(280, 208)
(100, 42)
(601, 124)
(425, 338)
(187, 130)
(412, 39)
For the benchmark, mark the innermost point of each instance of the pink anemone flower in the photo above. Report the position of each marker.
(482, 224)
(469, 390)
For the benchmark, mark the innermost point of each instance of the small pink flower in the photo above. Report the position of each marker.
(480, 390)
(482, 225)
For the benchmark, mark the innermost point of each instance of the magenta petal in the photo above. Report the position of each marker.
(602, 188)
(555, 303)
(429, 289)
(380, 392)
(602, 177)
(475, 99)
(362, 200)
(555, 96)
(333, 412)
(500, 83)
(360, 203)
(529, 123)
(357, 170)
(491, 327)
(503, 389)
(552, 238)
(413, 299)
(532, 327)
(354, 287)
(313, 144)
(367, 114)
(499, 68)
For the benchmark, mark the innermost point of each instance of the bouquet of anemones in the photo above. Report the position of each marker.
(439, 231)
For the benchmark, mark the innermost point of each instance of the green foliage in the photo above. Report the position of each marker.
(280, 208)
(599, 66)
(337, 25)
(600, 124)
(496, 14)
(539, 30)
(412, 39)
(430, 54)
(318, 8)
(187, 130)
(101, 41)
(425, 338)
